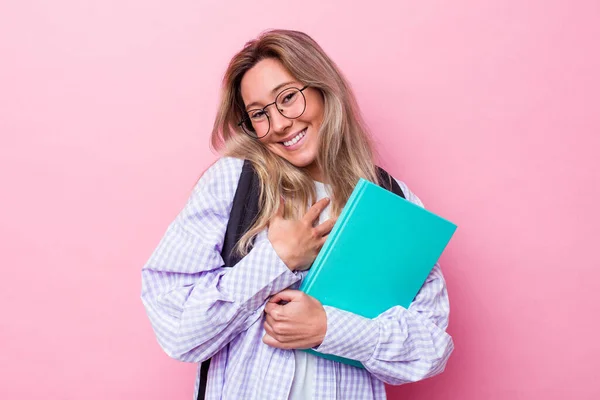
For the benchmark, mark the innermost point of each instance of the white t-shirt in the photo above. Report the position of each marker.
(303, 385)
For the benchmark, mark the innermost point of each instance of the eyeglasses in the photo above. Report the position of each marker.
(290, 103)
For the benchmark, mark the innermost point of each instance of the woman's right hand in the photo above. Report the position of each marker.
(297, 242)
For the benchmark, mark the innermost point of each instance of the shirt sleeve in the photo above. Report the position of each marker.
(400, 345)
(196, 305)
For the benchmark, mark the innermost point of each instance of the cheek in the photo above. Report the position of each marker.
(315, 110)
(315, 120)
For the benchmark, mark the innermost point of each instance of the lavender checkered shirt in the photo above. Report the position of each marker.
(199, 310)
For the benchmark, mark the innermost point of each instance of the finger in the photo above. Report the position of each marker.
(271, 341)
(270, 320)
(322, 241)
(269, 325)
(316, 210)
(277, 329)
(282, 334)
(286, 295)
(325, 227)
(269, 328)
(270, 309)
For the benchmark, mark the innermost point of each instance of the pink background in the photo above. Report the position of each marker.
(489, 110)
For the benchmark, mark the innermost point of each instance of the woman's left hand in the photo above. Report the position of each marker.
(299, 324)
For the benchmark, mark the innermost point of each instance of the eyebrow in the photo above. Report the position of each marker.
(275, 89)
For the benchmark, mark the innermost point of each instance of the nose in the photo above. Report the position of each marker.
(279, 123)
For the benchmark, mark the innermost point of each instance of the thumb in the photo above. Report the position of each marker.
(286, 295)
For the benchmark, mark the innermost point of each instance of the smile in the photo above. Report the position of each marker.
(295, 139)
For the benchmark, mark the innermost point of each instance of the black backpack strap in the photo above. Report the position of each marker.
(243, 212)
(241, 217)
(388, 182)
(203, 379)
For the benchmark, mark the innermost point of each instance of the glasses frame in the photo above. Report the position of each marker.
(264, 109)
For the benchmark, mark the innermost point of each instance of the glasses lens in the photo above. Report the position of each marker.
(291, 103)
(256, 124)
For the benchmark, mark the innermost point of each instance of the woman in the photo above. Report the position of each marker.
(285, 107)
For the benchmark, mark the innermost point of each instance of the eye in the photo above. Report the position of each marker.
(289, 97)
(257, 115)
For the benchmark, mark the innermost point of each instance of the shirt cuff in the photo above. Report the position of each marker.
(349, 335)
(258, 275)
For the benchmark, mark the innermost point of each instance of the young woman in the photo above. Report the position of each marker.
(285, 107)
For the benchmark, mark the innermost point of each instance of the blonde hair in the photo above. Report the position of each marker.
(345, 149)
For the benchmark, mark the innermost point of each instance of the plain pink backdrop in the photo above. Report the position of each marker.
(489, 110)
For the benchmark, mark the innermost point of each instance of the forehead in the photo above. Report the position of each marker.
(258, 82)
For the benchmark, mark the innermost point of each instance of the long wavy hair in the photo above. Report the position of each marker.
(345, 148)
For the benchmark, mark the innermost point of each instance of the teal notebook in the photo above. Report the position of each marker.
(378, 255)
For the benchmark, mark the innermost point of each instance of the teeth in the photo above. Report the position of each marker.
(295, 140)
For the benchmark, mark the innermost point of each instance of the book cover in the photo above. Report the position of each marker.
(378, 255)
